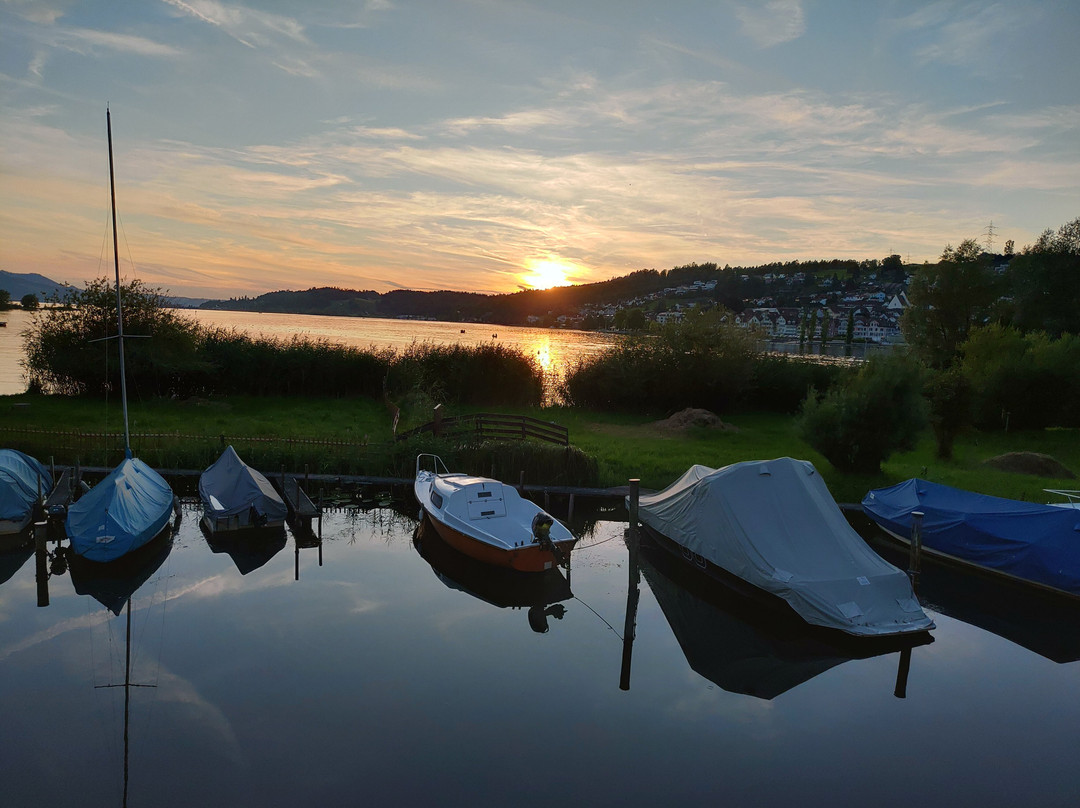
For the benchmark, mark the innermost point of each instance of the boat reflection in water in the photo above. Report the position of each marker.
(541, 593)
(250, 549)
(112, 583)
(728, 639)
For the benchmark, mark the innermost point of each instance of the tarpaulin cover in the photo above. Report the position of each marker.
(774, 525)
(121, 513)
(22, 480)
(232, 487)
(1039, 543)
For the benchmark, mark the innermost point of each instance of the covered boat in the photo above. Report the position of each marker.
(237, 497)
(121, 513)
(773, 525)
(24, 483)
(490, 521)
(1025, 541)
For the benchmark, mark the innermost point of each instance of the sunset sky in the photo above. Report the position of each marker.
(485, 146)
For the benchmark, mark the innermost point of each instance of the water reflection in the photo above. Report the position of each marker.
(541, 593)
(729, 640)
(12, 558)
(249, 551)
(113, 583)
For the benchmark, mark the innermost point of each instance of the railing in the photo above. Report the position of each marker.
(486, 426)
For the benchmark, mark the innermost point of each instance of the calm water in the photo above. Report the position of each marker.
(379, 679)
(553, 349)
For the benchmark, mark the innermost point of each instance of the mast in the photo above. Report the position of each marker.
(119, 308)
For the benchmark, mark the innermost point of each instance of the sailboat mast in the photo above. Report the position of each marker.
(119, 309)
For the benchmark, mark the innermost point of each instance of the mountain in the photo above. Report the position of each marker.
(30, 283)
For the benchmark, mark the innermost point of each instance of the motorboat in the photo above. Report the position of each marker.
(237, 497)
(133, 503)
(489, 521)
(771, 527)
(24, 484)
(1027, 542)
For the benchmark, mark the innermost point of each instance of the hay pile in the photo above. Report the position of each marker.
(1039, 465)
(690, 418)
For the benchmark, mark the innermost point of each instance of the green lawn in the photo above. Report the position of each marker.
(357, 432)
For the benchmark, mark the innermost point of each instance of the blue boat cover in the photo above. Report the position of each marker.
(231, 487)
(121, 513)
(1039, 543)
(22, 480)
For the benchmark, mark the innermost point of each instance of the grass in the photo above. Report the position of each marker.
(623, 446)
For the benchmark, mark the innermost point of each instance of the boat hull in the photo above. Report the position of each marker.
(524, 559)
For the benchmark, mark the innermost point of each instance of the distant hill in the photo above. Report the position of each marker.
(30, 283)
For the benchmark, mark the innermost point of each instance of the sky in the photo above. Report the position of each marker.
(488, 146)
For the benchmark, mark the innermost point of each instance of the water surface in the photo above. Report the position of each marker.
(377, 678)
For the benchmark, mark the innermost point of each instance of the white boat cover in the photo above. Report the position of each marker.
(774, 524)
(231, 487)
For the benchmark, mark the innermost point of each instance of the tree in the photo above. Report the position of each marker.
(947, 300)
(1044, 282)
(857, 425)
(64, 354)
(5, 298)
(29, 302)
(949, 395)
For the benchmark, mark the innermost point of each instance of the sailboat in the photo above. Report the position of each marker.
(133, 503)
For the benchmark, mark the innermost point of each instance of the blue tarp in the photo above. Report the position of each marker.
(1039, 543)
(121, 513)
(22, 480)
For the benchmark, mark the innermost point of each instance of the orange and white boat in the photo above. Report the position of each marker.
(489, 521)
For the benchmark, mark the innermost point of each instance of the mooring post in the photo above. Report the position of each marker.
(436, 420)
(632, 589)
(547, 500)
(900, 691)
(915, 550)
(296, 576)
(52, 467)
(41, 552)
(570, 509)
(521, 485)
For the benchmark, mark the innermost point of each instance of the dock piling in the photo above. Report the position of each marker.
(915, 550)
(41, 553)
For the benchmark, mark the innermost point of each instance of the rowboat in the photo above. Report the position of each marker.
(489, 521)
(771, 527)
(237, 497)
(1026, 542)
(24, 483)
(133, 503)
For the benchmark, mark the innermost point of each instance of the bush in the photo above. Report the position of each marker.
(857, 425)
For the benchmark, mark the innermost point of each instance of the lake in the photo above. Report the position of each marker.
(395, 674)
(553, 349)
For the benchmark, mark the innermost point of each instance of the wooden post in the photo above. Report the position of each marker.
(521, 485)
(547, 500)
(570, 509)
(900, 691)
(915, 550)
(297, 544)
(436, 420)
(633, 592)
(41, 547)
(635, 494)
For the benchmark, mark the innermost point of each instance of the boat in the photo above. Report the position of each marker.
(743, 649)
(490, 521)
(541, 593)
(1025, 542)
(237, 497)
(133, 503)
(249, 550)
(771, 528)
(24, 484)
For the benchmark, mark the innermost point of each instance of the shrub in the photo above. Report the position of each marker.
(857, 425)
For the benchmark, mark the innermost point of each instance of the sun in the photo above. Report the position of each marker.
(545, 273)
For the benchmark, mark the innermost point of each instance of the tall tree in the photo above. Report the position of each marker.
(1044, 281)
(948, 299)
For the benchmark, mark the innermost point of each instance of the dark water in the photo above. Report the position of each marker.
(377, 679)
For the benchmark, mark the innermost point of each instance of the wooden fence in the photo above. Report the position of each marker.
(490, 426)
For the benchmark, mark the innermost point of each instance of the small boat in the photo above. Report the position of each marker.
(772, 527)
(133, 503)
(490, 521)
(237, 497)
(24, 484)
(1037, 545)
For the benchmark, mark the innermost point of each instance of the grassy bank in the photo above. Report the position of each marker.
(353, 436)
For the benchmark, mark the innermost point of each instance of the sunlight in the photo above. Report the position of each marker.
(546, 273)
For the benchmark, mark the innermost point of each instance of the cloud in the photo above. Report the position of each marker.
(255, 29)
(773, 23)
(81, 40)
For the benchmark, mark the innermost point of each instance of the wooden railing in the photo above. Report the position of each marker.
(491, 426)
